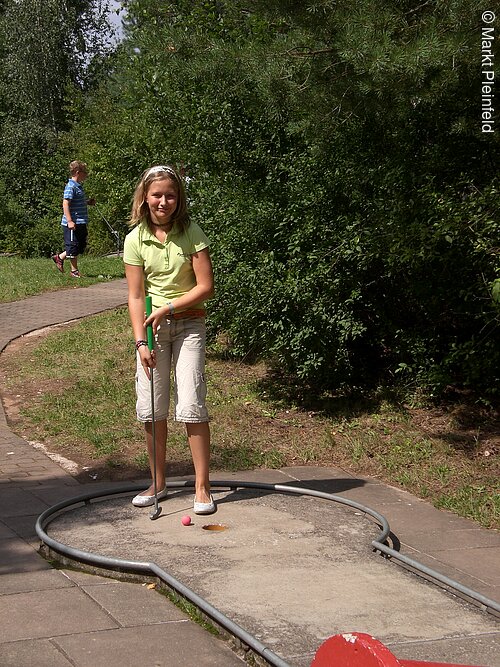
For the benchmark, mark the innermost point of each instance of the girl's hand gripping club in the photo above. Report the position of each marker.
(155, 513)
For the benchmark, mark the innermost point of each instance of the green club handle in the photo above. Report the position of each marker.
(149, 328)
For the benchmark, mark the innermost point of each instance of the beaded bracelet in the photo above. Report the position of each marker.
(140, 343)
(171, 308)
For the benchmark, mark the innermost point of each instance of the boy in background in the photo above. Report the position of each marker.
(75, 218)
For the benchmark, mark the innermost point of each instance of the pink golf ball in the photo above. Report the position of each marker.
(186, 520)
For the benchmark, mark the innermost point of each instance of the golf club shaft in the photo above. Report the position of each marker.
(113, 231)
(149, 330)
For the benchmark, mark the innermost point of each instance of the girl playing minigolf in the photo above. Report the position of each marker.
(166, 256)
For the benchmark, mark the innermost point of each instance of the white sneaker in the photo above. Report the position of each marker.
(204, 508)
(146, 501)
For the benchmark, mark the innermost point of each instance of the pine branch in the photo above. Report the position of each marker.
(307, 54)
(415, 9)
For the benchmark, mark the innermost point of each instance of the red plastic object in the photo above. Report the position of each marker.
(357, 649)
(354, 649)
(419, 663)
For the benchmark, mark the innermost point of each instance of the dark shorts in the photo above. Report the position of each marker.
(75, 240)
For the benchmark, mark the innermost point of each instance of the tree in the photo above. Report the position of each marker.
(50, 50)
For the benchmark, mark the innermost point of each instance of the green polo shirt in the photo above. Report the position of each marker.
(168, 268)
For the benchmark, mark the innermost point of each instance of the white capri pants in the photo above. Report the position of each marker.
(179, 345)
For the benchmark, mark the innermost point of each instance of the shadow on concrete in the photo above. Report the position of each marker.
(330, 485)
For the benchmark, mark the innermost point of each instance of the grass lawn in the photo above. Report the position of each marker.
(20, 278)
(447, 455)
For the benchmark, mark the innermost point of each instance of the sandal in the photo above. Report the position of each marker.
(58, 262)
(76, 274)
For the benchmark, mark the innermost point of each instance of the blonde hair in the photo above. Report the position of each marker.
(140, 209)
(77, 165)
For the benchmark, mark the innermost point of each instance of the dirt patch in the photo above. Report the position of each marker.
(466, 427)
